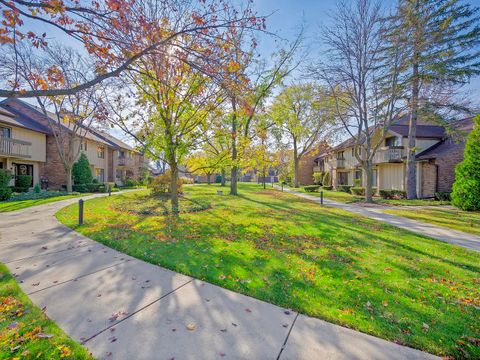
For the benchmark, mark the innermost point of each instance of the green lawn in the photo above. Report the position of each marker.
(321, 261)
(6, 206)
(467, 221)
(341, 196)
(25, 331)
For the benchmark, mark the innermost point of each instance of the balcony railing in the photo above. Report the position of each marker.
(318, 169)
(15, 147)
(392, 154)
(124, 161)
(339, 163)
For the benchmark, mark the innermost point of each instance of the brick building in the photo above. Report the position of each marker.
(111, 160)
(438, 153)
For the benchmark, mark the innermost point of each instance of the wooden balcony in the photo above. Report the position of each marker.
(339, 163)
(15, 148)
(124, 161)
(390, 155)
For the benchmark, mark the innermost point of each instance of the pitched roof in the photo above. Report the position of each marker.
(31, 117)
(452, 143)
(14, 117)
(423, 131)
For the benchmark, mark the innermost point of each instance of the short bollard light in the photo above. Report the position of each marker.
(80, 212)
(109, 190)
(321, 197)
(219, 192)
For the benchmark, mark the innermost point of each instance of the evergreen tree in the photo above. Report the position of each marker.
(466, 189)
(441, 41)
(81, 171)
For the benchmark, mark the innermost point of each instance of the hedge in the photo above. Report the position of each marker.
(443, 196)
(23, 181)
(311, 188)
(393, 194)
(329, 187)
(344, 188)
(5, 193)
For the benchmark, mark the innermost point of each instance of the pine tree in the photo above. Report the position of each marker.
(466, 189)
(441, 39)
(81, 171)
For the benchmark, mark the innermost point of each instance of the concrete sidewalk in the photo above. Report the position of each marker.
(124, 308)
(455, 237)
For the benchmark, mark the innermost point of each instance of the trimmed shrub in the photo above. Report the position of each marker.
(311, 188)
(130, 183)
(23, 181)
(5, 193)
(81, 188)
(95, 181)
(393, 194)
(329, 187)
(81, 171)
(19, 189)
(37, 189)
(327, 181)
(357, 182)
(5, 177)
(42, 195)
(93, 187)
(344, 188)
(356, 190)
(466, 189)
(443, 196)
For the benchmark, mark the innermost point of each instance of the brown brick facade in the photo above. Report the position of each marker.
(446, 168)
(429, 179)
(53, 169)
(307, 163)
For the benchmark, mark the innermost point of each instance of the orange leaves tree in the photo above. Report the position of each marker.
(115, 34)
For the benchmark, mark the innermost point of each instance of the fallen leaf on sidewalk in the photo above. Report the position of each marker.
(191, 327)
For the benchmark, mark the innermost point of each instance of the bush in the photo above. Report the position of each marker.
(93, 187)
(443, 196)
(356, 190)
(5, 193)
(81, 172)
(344, 188)
(23, 181)
(318, 178)
(311, 188)
(5, 177)
(327, 181)
(466, 189)
(357, 182)
(161, 184)
(81, 188)
(95, 181)
(129, 183)
(327, 187)
(42, 195)
(18, 189)
(37, 189)
(393, 194)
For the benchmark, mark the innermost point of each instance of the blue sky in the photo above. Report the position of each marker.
(287, 17)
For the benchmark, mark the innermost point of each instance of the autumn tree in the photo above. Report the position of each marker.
(441, 41)
(362, 78)
(68, 116)
(115, 34)
(302, 115)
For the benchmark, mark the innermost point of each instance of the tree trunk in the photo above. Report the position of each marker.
(295, 165)
(68, 170)
(369, 181)
(264, 176)
(412, 126)
(223, 177)
(173, 189)
(234, 172)
(209, 180)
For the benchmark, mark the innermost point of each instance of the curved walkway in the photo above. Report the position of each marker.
(123, 308)
(466, 240)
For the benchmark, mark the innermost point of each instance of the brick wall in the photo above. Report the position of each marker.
(446, 167)
(53, 169)
(306, 164)
(429, 179)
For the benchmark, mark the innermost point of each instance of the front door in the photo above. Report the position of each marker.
(24, 169)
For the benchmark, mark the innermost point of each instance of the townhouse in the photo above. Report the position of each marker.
(28, 147)
(438, 152)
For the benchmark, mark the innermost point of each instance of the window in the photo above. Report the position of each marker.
(392, 141)
(101, 152)
(118, 174)
(83, 146)
(5, 132)
(358, 174)
(121, 153)
(100, 175)
(343, 178)
(340, 155)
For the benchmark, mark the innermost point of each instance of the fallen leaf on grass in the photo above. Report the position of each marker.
(44, 336)
(12, 325)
